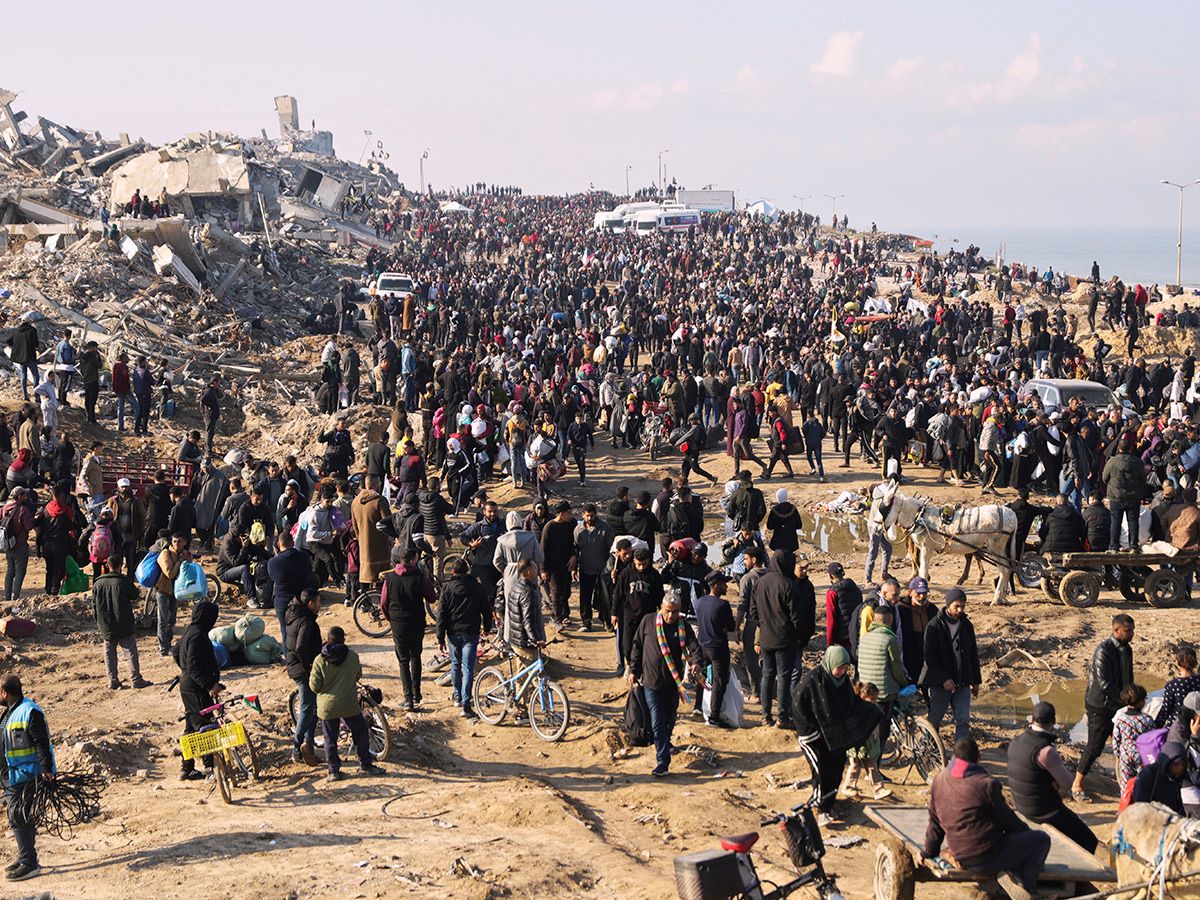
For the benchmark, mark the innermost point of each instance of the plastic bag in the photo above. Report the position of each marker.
(249, 629)
(76, 581)
(733, 706)
(258, 533)
(191, 583)
(343, 396)
(221, 652)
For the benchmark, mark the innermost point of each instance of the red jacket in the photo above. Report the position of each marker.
(120, 378)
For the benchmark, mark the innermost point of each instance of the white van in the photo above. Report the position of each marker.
(674, 219)
(610, 221)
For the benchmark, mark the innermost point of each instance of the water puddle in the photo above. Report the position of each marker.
(1012, 705)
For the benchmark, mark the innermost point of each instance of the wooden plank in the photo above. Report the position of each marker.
(1117, 558)
(1067, 860)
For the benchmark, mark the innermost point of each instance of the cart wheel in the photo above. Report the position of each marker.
(1031, 570)
(895, 872)
(1049, 588)
(1079, 589)
(1166, 589)
(1131, 581)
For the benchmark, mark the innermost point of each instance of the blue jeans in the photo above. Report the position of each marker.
(959, 701)
(814, 453)
(664, 704)
(779, 663)
(280, 612)
(241, 575)
(462, 664)
(1130, 512)
(26, 370)
(1042, 356)
(878, 541)
(306, 720)
(520, 471)
(712, 412)
(1075, 495)
(122, 399)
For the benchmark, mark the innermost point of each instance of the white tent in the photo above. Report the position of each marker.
(763, 208)
(452, 206)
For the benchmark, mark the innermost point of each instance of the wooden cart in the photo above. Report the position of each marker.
(1069, 871)
(1076, 578)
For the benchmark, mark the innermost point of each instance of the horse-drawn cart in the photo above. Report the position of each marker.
(1076, 578)
(1070, 870)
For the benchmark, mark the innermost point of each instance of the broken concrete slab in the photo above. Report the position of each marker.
(219, 236)
(167, 261)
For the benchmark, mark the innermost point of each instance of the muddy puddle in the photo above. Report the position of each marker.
(1010, 706)
(827, 533)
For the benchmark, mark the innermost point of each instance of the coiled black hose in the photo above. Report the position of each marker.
(57, 806)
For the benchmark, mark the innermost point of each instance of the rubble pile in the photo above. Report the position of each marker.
(210, 252)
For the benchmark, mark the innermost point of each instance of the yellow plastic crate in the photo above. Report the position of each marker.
(202, 743)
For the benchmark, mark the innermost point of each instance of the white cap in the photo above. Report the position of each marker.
(123, 482)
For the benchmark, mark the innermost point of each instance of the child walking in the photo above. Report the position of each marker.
(866, 757)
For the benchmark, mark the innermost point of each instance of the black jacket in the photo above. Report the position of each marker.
(643, 524)
(404, 596)
(1063, 530)
(636, 593)
(783, 605)
(784, 522)
(303, 639)
(463, 608)
(616, 515)
(113, 597)
(646, 659)
(24, 343)
(684, 520)
(941, 662)
(198, 669)
(434, 509)
(1096, 520)
(1110, 673)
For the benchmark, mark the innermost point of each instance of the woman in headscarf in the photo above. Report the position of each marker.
(830, 719)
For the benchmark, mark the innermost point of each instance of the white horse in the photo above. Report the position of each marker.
(990, 529)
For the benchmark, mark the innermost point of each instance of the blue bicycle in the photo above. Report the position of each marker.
(494, 694)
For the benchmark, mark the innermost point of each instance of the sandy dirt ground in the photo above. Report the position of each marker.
(470, 810)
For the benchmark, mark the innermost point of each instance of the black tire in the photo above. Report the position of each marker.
(895, 872)
(928, 751)
(490, 695)
(1131, 582)
(1049, 588)
(1079, 589)
(549, 711)
(1031, 569)
(294, 713)
(895, 737)
(1166, 589)
(223, 776)
(369, 618)
(214, 588)
(378, 728)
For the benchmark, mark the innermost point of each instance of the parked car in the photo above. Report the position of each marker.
(1057, 392)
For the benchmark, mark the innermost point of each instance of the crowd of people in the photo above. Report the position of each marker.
(527, 338)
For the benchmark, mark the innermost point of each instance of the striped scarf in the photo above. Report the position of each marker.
(666, 652)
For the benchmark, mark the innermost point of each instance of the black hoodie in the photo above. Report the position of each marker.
(198, 669)
(785, 611)
(303, 639)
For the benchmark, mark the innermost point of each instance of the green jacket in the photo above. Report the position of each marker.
(1125, 478)
(879, 661)
(334, 679)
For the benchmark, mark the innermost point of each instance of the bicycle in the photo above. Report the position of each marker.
(913, 739)
(223, 741)
(368, 609)
(378, 728)
(729, 873)
(547, 706)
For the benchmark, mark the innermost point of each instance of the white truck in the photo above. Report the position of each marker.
(706, 201)
(391, 284)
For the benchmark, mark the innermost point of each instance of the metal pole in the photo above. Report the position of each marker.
(627, 168)
(1179, 245)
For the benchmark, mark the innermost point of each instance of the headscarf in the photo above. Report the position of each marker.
(781, 495)
(835, 656)
(22, 462)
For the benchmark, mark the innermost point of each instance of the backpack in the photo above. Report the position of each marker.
(8, 530)
(1150, 743)
(637, 718)
(101, 544)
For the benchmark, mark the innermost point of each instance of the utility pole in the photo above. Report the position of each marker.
(424, 156)
(1179, 244)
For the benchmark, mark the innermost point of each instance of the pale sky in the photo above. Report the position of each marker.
(922, 115)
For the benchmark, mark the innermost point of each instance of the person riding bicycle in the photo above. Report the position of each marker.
(199, 676)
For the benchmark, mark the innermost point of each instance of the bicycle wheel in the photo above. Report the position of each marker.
(294, 714)
(378, 728)
(549, 711)
(490, 695)
(928, 752)
(895, 739)
(368, 616)
(252, 759)
(223, 777)
(214, 588)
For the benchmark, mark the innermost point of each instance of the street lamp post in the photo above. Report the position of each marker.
(835, 200)
(424, 156)
(801, 199)
(661, 187)
(627, 168)
(1179, 245)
